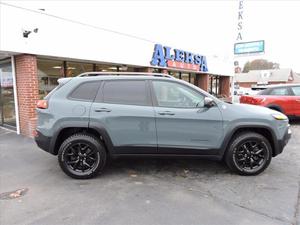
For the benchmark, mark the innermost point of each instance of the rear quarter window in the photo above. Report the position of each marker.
(264, 92)
(279, 91)
(85, 91)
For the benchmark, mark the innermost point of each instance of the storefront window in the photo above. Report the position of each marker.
(214, 83)
(175, 74)
(106, 68)
(193, 77)
(7, 102)
(48, 72)
(185, 76)
(74, 68)
(114, 68)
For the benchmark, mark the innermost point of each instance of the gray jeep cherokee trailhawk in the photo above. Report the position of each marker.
(88, 119)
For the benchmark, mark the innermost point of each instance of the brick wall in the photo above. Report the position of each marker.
(202, 81)
(224, 86)
(27, 89)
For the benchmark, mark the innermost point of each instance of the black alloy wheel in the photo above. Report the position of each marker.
(250, 156)
(249, 153)
(82, 156)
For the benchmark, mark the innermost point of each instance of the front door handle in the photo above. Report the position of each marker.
(103, 110)
(166, 113)
(298, 100)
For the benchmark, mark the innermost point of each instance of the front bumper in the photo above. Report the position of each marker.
(282, 143)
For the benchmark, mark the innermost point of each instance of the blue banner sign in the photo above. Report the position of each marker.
(167, 57)
(249, 47)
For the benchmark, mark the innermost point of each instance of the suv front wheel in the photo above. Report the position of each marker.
(82, 156)
(249, 153)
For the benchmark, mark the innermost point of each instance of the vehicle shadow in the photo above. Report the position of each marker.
(294, 121)
(173, 167)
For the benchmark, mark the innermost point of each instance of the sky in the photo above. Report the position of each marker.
(207, 26)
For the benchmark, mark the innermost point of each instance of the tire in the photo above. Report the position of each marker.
(82, 156)
(248, 154)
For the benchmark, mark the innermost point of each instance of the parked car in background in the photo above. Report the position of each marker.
(283, 98)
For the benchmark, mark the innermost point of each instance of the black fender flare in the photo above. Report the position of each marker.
(229, 135)
(100, 128)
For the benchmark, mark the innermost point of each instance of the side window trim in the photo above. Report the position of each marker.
(99, 98)
(154, 98)
(69, 96)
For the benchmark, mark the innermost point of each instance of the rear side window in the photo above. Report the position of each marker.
(296, 90)
(264, 92)
(125, 92)
(279, 91)
(86, 91)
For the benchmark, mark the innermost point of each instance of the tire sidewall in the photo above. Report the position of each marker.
(92, 141)
(243, 138)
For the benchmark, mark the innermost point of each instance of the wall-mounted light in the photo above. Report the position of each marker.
(27, 32)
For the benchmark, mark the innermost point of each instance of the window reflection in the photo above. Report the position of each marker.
(49, 71)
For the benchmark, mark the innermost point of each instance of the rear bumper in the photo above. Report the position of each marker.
(43, 141)
(282, 143)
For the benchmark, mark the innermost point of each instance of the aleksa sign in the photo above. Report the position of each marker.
(167, 57)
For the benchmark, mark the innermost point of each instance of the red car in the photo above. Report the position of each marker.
(283, 98)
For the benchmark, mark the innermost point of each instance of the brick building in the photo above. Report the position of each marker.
(32, 62)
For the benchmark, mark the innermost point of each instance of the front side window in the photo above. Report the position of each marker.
(171, 94)
(296, 90)
(279, 91)
(125, 92)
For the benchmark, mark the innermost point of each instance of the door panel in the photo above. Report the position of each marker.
(191, 131)
(184, 125)
(131, 128)
(124, 109)
(296, 100)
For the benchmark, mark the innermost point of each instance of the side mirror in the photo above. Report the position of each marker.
(208, 102)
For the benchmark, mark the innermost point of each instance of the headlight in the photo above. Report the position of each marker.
(280, 116)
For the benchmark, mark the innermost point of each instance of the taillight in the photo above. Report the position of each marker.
(42, 104)
(257, 101)
(252, 100)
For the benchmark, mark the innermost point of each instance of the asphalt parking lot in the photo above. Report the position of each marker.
(146, 191)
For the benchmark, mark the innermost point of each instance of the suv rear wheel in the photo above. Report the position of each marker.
(249, 154)
(82, 156)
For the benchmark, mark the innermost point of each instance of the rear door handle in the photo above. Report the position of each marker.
(166, 113)
(298, 100)
(103, 110)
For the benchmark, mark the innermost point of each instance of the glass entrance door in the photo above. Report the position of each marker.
(7, 103)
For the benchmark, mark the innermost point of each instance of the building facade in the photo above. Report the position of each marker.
(266, 77)
(33, 56)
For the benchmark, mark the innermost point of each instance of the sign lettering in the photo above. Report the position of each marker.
(167, 57)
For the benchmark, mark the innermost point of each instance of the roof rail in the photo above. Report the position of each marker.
(93, 74)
